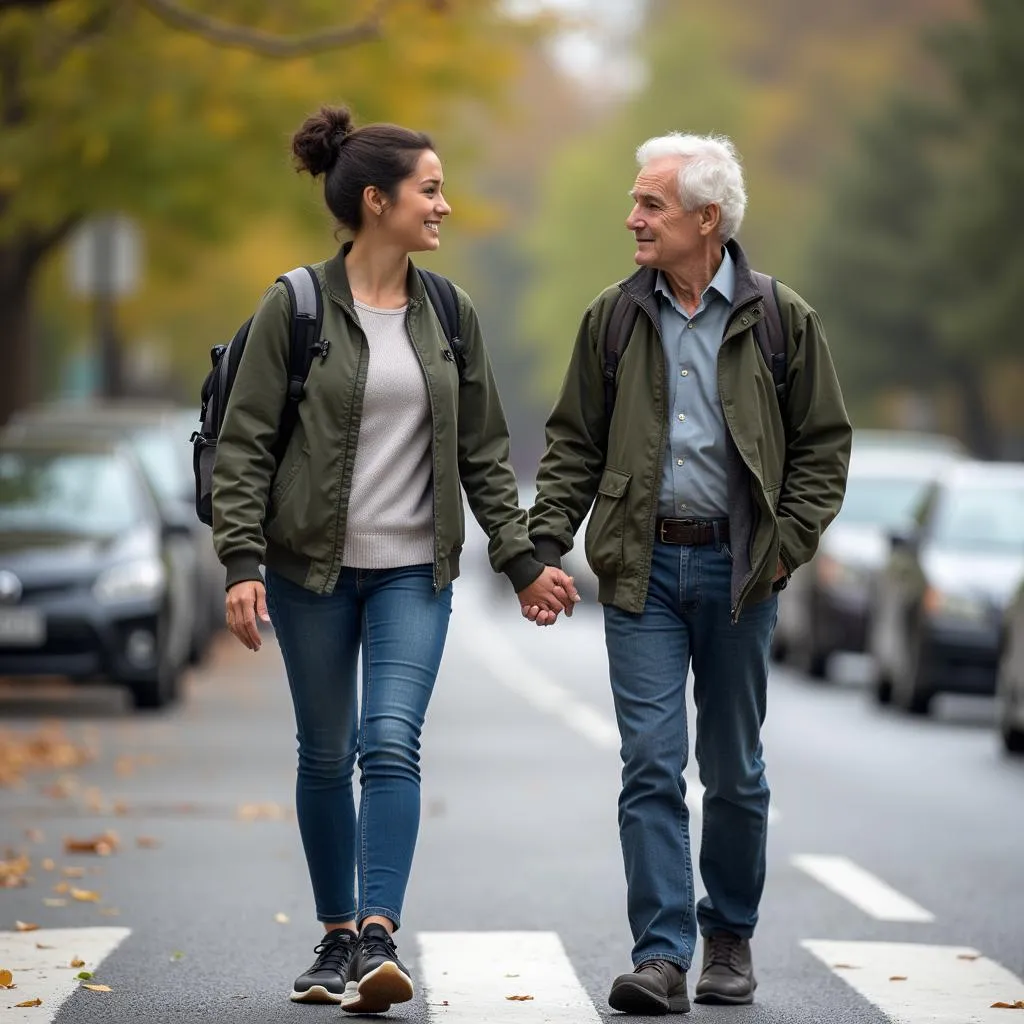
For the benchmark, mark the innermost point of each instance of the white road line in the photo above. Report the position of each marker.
(47, 973)
(469, 978)
(862, 889)
(914, 984)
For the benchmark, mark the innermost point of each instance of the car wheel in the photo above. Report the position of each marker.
(807, 655)
(911, 690)
(1013, 737)
(161, 686)
(882, 690)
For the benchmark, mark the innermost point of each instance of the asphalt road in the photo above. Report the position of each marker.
(896, 854)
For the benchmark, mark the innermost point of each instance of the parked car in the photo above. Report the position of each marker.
(947, 585)
(827, 605)
(1010, 677)
(908, 441)
(159, 434)
(91, 575)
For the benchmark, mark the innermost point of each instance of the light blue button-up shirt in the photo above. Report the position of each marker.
(694, 484)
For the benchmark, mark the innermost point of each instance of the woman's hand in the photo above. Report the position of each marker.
(550, 593)
(244, 603)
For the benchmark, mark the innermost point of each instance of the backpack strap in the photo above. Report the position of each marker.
(445, 301)
(771, 338)
(620, 330)
(307, 303)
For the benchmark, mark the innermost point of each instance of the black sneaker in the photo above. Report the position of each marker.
(376, 977)
(325, 981)
(654, 988)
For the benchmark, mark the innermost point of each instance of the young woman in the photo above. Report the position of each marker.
(360, 528)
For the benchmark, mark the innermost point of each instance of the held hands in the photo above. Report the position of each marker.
(245, 603)
(550, 593)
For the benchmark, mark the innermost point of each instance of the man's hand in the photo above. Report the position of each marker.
(550, 593)
(244, 603)
(780, 571)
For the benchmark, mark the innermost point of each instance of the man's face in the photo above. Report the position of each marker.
(666, 234)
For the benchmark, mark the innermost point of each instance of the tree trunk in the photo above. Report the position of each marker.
(981, 434)
(18, 263)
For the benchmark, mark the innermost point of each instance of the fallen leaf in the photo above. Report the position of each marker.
(47, 864)
(24, 926)
(968, 956)
(846, 967)
(102, 845)
(61, 887)
(1018, 1005)
(77, 962)
(177, 955)
(85, 895)
(41, 945)
(83, 975)
(147, 842)
(898, 977)
(54, 901)
(98, 988)
(29, 1002)
(281, 918)
(6, 979)
(519, 999)
(14, 873)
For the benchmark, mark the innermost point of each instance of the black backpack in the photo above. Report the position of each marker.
(307, 320)
(771, 339)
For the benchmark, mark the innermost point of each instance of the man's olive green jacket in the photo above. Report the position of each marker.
(786, 467)
(292, 517)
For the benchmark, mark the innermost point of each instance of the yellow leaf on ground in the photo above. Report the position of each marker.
(25, 926)
(1018, 1005)
(29, 1002)
(519, 999)
(281, 918)
(6, 979)
(97, 988)
(898, 977)
(85, 895)
(77, 962)
(102, 845)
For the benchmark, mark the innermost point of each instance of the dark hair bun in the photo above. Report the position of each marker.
(317, 142)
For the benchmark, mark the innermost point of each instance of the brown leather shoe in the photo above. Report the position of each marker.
(654, 988)
(727, 977)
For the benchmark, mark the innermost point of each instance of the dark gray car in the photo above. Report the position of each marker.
(1010, 677)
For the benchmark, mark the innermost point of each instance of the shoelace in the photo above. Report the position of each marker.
(377, 945)
(332, 954)
(724, 951)
(661, 966)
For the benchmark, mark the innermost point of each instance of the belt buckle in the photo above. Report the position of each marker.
(661, 531)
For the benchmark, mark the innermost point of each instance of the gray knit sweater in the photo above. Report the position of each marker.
(391, 509)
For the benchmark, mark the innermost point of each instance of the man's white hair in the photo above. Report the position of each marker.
(710, 173)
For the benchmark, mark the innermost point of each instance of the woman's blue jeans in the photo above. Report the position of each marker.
(687, 619)
(398, 622)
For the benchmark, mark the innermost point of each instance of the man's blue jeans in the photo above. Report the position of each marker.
(687, 617)
(400, 624)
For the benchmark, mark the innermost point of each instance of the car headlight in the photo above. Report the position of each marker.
(131, 581)
(943, 604)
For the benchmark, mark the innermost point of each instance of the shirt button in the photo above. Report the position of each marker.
(745, 321)
(685, 373)
(679, 462)
(690, 326)
(682, 417)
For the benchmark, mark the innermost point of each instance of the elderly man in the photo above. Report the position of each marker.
(712, 485)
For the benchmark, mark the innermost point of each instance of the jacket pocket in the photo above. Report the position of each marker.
(606, 528)
(283, 486)
(771, 493)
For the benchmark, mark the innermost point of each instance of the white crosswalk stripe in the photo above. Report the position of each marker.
(862, 889)
(40, 962)
(918, 984)
(494, 977)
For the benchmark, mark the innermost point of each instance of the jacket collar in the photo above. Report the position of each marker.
(640, 287)
(340, 291)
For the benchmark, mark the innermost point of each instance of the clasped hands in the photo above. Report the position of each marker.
(549, 594)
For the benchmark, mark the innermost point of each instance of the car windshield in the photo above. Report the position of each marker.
(887, 502)
(980, 518)
(67, 492)
(166, 467)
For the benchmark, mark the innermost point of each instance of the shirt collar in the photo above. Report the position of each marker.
(724, 281)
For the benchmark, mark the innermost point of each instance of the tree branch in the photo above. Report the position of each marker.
(223, 34)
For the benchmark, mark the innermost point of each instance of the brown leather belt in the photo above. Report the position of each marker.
(693, 531)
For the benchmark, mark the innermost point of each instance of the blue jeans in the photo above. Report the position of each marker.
(400, 624)
(687, 617)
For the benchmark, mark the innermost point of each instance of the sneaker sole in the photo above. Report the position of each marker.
(635, 999)
(716, 999)
(377, 990)
(315, 994)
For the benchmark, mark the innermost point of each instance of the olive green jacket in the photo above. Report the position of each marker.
(292, 517)
(786, 476)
